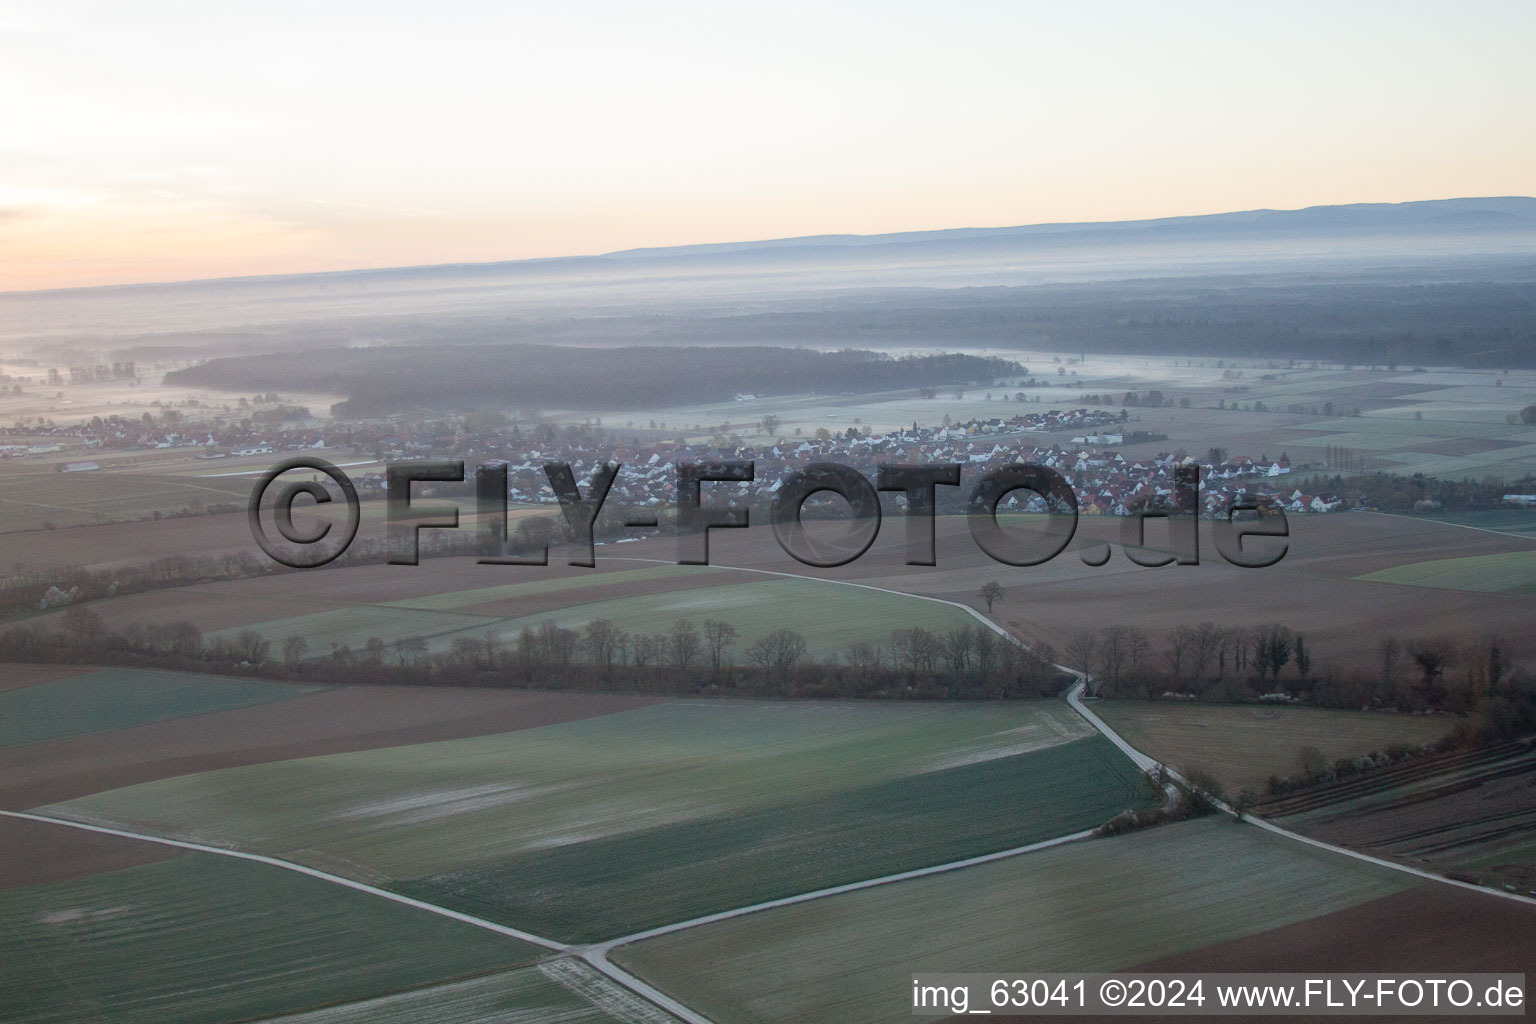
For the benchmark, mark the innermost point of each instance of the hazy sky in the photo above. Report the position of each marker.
(159, 140)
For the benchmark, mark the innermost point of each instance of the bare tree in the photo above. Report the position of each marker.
(991, 592)
(1181, 642)
(84, 626)
(294, 649)
(779, 650)
(601, 642)
(720, 636)
(1389, 651)
(466, 650)
(863, 656)
(558, 643)
(490, 646)
(647, 647)
(1432, 656)
(410, 651)
(1080, 651)
(958, 644)
(251, 646)
(916, 648)
(1207, 643)
(1138, 648)
(986, 648)
(1114, 643)
(683, 644)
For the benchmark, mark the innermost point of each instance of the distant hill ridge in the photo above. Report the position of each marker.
(1496, 212)
(1493, 217)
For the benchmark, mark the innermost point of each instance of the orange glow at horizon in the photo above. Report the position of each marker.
(176, 141)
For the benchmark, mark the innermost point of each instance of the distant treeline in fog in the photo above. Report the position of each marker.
(384, 380)
(1474, 324)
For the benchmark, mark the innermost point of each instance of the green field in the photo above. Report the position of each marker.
(119, 698)
(203, 938)
(1243, 745)
(1515, 570)
(561, 991)
(614, 886)
(830, 616)
(1520, 521)
(1101, 905)
(600, 827)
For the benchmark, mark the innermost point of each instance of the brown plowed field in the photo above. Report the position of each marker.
(15, 677)
(35, 853)
(1441, 822)
(1310, 590)
(332, 722)
(1432, 928)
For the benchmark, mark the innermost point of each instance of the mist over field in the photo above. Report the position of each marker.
(1449, 281)
(577, 765)
(821, 513)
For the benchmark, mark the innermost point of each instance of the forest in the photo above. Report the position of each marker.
(385, 380)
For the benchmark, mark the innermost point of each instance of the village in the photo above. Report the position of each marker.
(1105, 480)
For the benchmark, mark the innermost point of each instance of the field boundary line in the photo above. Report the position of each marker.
(598, 959)
(1146, 763)
(1441, 522)
(325, 876)
(616, 974)
(1074, 699)
(601, 948)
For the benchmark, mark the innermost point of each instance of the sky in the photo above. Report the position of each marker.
(167, 141)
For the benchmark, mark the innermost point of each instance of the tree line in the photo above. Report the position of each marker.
(386, 380)
(1472, 677)
(966, 663)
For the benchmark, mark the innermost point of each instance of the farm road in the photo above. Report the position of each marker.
(597, 954)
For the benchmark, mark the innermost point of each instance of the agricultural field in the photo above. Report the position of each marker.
(1099, 905)
(111, 699)
(1512, 571)
(560, 991)
(600, 827)
(39, 498)
(1330, 563)
(314, 721)
(1467, 813)
(1050, 603)
(1517, 521)
(830, 616)
(1243, 745)
(201, 937)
